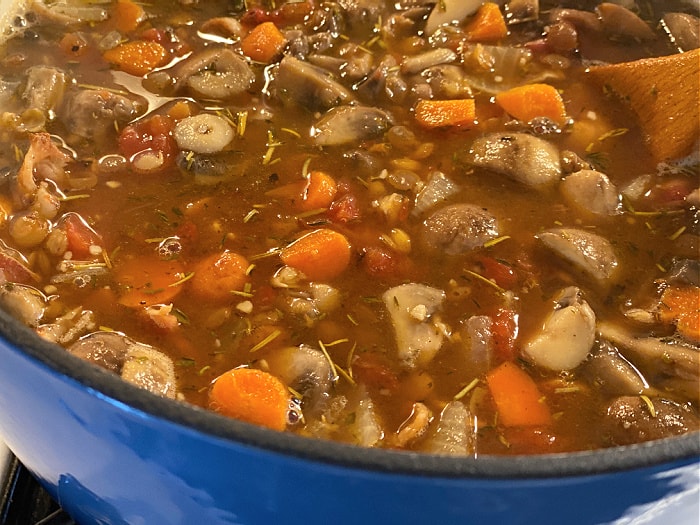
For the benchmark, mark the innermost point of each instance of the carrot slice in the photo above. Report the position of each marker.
(218, 276)
(517, 397)
(321, 255)
(148, 280)
(319, 191)
(487, 24)
(533, 100)
(443, 113)
(251, 395)
(681, 306)
(264, 43)
(127, 15)
(137, 57)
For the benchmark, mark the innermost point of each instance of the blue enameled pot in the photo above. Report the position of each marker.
(112, 454)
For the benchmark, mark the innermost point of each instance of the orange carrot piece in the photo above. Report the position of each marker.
(533, 100)
(442, 113)
(251, 395)
(518, 399)
(680, 305)
(219, 275)
(137, 57)
(148, 280)
(264, 43)
(127, 15)
(319, 191)
(487, 25)
(321, 255)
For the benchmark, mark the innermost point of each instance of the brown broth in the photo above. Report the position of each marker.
(243, 213)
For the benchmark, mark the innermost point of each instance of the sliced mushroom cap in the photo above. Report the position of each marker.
(667, 364)
(621, 23)
(138, 363)
(683, 29)
(299, 83)
(23, 302)
(633, 419)
(520, 156)
(349, 125)
(591, 192)
(150, 369)
(306, 370)
(216, 73)
(203, 133)
(587, 251)
(458, 228)
(614, 374)
(567, 333)
(90, 113)
(412, 307)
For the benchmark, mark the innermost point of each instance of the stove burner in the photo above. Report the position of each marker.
(23, 501)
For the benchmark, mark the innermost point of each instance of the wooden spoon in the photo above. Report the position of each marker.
(663, 93)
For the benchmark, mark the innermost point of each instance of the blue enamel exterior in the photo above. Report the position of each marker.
(109, 463)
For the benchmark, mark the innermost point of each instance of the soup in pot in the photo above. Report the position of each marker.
(446, 227)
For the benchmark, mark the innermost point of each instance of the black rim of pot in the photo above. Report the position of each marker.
(381, 460)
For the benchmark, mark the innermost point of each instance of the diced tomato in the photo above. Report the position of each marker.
(80, 236)
(154, 134)
(344, 209)
(255, 16)
(505, 331)
(379, 262)
(371, 370)
(671, 193)
(502, 274)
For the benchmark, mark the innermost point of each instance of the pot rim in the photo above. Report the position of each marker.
(603, 461)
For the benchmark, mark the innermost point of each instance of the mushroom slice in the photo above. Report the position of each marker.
(203, 133)
(137, 363)
(455, 435)
(633, 419)
(668, 364)
(298, 82)
(613, 373)
(589, 252)
(683, 29)
(217, 73)
(349, 125)
(412, 308)
(149, 369)
(567, 333)
(591, 192)
(306, 370)
(23, 302)
(458, 228)
(619, 22)
(522, 157)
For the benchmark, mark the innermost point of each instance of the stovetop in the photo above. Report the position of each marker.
(22, 500)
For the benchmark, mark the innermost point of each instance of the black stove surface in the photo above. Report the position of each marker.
(23, 501)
